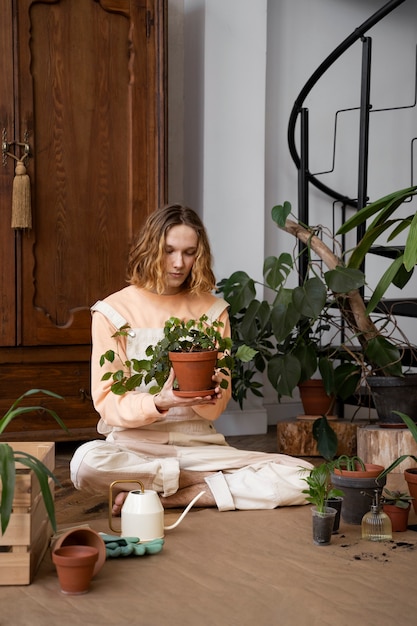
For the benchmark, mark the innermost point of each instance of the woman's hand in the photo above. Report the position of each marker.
(166, 399)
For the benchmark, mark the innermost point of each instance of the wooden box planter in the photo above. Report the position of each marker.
(28, 534)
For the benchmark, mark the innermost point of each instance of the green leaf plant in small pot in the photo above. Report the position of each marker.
(319, 490)
(396, 504)
(358, 480)
(410, 473)
(9, 456)
(197, 343)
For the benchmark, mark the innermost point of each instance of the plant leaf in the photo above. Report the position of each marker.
(326, 438)
(42, 472)
(8, 480)
(344, 279)
(410, 252)
(280, 212)
(385, 281)
(310, 298)
(245, 353)
(385, 355)
(284, 373)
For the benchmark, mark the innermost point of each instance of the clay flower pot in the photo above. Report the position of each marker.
(194, 371)
(75, 567)
(82, 537)
(314, 399)
(410, 476)
(398, 516)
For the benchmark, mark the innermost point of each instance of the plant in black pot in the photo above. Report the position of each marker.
(197, 343)
(363, 344)
(359, 481)
(373, 343)
(319, 490)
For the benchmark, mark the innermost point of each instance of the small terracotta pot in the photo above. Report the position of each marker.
(194, 370)
(83, 537)
(75, 567)
(398, 516)
(314, 398)
(410, 476)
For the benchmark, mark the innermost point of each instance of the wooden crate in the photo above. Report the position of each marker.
(28, 534)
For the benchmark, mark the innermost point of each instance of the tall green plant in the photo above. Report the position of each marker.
(9, 457)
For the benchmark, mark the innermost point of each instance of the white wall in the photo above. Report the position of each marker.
(244, 63)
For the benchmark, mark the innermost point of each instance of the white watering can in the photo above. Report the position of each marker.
(142, 513)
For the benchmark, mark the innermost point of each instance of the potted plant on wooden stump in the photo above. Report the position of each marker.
(318, 492)
(359, 341)
(396, 505)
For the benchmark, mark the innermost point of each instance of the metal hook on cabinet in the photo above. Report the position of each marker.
(6, 147)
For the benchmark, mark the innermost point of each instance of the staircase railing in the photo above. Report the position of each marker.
(301, 161)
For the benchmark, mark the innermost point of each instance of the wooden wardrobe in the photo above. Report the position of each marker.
(83, 96)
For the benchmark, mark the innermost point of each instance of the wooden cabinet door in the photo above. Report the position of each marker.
(83, 83)
(89, 99)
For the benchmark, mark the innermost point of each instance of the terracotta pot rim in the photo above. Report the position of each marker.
(410, 474)
(67, 554)
(371, 470)
(198, 355)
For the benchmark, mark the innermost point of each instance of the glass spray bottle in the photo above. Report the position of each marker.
(376, 525)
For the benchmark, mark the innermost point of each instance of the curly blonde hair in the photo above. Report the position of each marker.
(146, 264)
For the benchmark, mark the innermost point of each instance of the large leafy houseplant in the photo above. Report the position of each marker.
(178, 336)
(323, 323)
(9, 457)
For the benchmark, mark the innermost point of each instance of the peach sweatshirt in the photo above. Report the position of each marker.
(146, 314)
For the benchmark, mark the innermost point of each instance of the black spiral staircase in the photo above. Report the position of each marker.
(340, 202)
(300, 116)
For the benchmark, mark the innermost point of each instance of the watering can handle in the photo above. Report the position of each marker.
(115, 482)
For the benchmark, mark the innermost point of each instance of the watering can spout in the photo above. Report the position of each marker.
(184, 513)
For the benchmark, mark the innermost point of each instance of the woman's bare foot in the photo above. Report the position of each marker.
(190, 484)
(118, 503)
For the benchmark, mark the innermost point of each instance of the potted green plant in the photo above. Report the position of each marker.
(9, 457)
(286, 332)
(396, 504)
(199, 341)
(359, 341)
(359, 481)
(319, 490)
